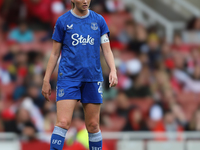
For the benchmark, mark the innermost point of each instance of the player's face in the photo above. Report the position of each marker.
(82, 4)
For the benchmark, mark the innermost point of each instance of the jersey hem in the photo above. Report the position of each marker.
(80, 80)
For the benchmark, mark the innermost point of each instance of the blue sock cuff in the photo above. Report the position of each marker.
(95, 137)
(59, 131)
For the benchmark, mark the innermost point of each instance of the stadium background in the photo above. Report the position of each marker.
(156, 104)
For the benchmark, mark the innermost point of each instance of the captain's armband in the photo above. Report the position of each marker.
(104, 38)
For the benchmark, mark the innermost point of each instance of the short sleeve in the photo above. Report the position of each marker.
(58, 33)
(104, 27)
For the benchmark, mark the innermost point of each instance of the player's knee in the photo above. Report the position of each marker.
(92, 127)
(63, 124)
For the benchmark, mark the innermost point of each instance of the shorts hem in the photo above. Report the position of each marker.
(95, 102)
(68, 99)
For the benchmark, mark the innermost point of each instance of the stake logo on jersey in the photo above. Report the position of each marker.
(80, 39)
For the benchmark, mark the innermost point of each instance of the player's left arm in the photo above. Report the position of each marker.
(108, 55)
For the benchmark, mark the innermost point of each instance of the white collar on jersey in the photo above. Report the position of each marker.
(81, 17)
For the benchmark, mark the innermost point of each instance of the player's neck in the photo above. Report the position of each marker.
(80, 13)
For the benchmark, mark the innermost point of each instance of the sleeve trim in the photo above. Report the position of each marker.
(108, 32)
(53, 38)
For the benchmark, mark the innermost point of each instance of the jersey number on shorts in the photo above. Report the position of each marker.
(100, 87)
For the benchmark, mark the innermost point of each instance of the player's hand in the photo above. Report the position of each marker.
(113, 79)
(46, 90)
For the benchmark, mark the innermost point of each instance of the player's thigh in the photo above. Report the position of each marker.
(92, 113)
(65, 110)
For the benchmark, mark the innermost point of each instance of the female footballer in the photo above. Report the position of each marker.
(78, 34)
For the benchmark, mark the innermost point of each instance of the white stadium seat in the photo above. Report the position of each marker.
(193, 145)
(130, 145)
(167, 145)
(10, 145)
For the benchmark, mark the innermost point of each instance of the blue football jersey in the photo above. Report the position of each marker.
(81, 39)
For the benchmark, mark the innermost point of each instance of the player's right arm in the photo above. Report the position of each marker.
(46, 87)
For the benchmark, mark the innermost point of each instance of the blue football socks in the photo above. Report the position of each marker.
(95, 141)
(58, 138)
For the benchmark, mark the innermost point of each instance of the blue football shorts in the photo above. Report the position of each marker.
(86, 92)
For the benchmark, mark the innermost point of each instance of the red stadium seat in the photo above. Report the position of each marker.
(35, 144)
(117, 123)
(7, 90)
(189, 102)
(143, 104)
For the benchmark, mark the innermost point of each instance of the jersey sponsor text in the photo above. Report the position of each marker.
(80, 39)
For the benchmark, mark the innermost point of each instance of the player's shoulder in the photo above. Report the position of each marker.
(65, 16)
(96, 15)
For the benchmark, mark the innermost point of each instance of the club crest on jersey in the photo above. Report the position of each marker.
(94, 26)
(61, 92)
